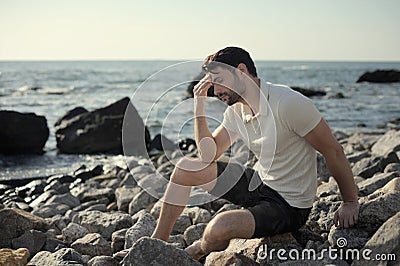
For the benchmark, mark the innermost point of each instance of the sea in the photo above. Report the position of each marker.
(157, 89)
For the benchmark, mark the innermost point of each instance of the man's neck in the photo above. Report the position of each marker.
(251, 97)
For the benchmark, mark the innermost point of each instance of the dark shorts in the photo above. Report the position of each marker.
(272, 213)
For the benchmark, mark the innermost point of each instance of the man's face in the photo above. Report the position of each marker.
(227, 86)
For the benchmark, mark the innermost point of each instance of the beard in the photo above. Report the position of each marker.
(229, 98)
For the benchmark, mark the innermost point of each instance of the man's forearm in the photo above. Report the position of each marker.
(204, 139)
(340, 169)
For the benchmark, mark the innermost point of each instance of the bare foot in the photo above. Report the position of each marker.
(195, 250)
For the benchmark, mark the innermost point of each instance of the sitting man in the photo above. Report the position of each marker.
(283, 129)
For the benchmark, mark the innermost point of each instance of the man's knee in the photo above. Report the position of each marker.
(218, 229)
(181, 175)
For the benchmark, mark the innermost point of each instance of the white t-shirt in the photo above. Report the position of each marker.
(286, 161)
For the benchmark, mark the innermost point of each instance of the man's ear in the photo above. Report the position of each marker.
(242, 67)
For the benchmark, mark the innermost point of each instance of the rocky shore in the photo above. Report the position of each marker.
(84, 217)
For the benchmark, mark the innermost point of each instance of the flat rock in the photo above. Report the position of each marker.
(15, 222)
(93, 245)
(73, 232)
(66, 199)
(143, 227)
(389, 142)
(64, 256)
(9, 257)
(91, 191)
(150, 251)
(379, 180)
(33, 240)
(104, 223)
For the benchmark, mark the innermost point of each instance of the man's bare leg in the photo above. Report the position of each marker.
(220, 230)
(186, 174)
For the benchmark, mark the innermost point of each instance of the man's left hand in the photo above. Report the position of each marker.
(347, 214)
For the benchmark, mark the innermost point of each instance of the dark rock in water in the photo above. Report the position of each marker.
(22, 133)
(380, 76)
(14, 223)
(162, 143)
(338, 95)
(151, 251)
(64, 256)
(101, 130)
(32, 240)
(71, 114)
(308, 92)
(189, 90)
(392, 124)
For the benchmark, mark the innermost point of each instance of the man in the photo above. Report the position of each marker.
(283, 129)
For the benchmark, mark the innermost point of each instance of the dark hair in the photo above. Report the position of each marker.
(232, 56)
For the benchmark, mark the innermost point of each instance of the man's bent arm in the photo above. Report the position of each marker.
(322, 140)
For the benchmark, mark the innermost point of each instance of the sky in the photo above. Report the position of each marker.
(304, 30)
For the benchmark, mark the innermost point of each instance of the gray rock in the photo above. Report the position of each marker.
(150, 251)
(143, 227)
(103, 261)
(389, 142)
(156, 209)
(88, 204)
(58, 222)
(139, 214)
(141, 201)
(366, 167)
(153, 183)
(57, 186)
(380, 206)
(197, 215)
(181, 224)
(52, 209)
(73, 232)
(386, 240)
(92, 191)
(327, 189)
(178, 241)
(33, 240)
(104, 223)
(194, 233)
(322, 169)
(118, 240)
(93, 245)
(357, 156)
(53, 245)
(66, 199)
(124, 196)
(354, 238)
(322, 213)
(62, 257)
(97, 207)
(39, 201)
(369, 185)
(128, 181)
(392, 167)
(361, 142)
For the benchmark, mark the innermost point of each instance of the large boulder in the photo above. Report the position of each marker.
(104, 223)
(151, 251)
(390, 142)
(22, 133)
(380, 76)
(15, 222)
(101, 130)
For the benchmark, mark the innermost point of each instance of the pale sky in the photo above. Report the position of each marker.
(340, 30)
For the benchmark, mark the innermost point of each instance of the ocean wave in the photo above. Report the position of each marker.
(43, 90)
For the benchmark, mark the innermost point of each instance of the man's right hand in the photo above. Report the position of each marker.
(201, 88)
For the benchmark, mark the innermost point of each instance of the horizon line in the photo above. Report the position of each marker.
(185, 60)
